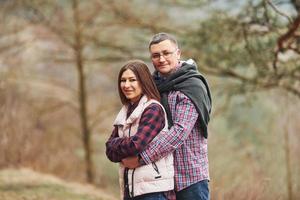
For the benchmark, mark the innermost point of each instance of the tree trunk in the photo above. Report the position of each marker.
(82, 95)
(288, 160)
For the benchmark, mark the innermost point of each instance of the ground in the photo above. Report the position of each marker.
(26, 184)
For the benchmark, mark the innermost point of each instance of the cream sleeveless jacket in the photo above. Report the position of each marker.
(155, 177)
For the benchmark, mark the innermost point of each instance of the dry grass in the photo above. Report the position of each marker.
(26, 184)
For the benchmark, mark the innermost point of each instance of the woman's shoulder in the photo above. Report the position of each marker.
(154, 106)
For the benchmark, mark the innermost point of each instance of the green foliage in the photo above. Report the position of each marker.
(221, 43)
(243, 46)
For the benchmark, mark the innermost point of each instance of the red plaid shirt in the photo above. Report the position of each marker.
(186, 142)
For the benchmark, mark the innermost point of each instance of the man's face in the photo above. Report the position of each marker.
(165, 56)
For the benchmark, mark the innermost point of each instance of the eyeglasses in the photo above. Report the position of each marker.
(165, 54)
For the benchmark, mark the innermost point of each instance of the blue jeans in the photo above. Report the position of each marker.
(197, 191)
(150, 196)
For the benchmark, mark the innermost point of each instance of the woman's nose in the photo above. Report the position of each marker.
(127, 84)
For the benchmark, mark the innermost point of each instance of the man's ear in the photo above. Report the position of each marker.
(178, 53)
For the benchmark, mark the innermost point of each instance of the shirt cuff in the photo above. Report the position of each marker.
(144, 158)
(141, 161)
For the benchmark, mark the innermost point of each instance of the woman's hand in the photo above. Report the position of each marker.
(131, 162)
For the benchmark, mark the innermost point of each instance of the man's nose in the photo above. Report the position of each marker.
(161, 58)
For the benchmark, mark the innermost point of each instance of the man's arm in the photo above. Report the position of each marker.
(151, 123)
(184, 120)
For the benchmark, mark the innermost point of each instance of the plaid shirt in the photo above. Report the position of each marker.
(151, 123)
(186, 142)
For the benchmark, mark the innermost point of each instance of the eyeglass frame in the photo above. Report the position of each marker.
(165, 54)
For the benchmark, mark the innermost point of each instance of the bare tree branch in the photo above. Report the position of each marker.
(279, 12)
(283, 39)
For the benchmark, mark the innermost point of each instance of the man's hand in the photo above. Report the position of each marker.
(131, 162)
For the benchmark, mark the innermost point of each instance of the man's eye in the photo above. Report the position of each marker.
(167, 53)
(155, 55)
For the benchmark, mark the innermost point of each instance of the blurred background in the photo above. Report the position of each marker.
(59, 61)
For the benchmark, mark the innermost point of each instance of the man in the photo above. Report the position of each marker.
(186, 97)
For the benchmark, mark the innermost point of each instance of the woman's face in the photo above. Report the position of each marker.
(130, 86)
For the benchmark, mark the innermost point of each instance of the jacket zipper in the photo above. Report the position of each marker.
(156, 169)
(132, 184)
(126, 176)
(131, 194)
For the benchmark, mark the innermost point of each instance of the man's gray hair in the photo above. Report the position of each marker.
(159, 37)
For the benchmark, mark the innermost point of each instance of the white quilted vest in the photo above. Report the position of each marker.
(155, 177)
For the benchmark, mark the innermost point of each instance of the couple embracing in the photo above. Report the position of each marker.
(160, 134)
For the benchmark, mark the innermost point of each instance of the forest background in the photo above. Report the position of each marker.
(59, 61)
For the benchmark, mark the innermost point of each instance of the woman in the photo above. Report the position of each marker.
(140, 119)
